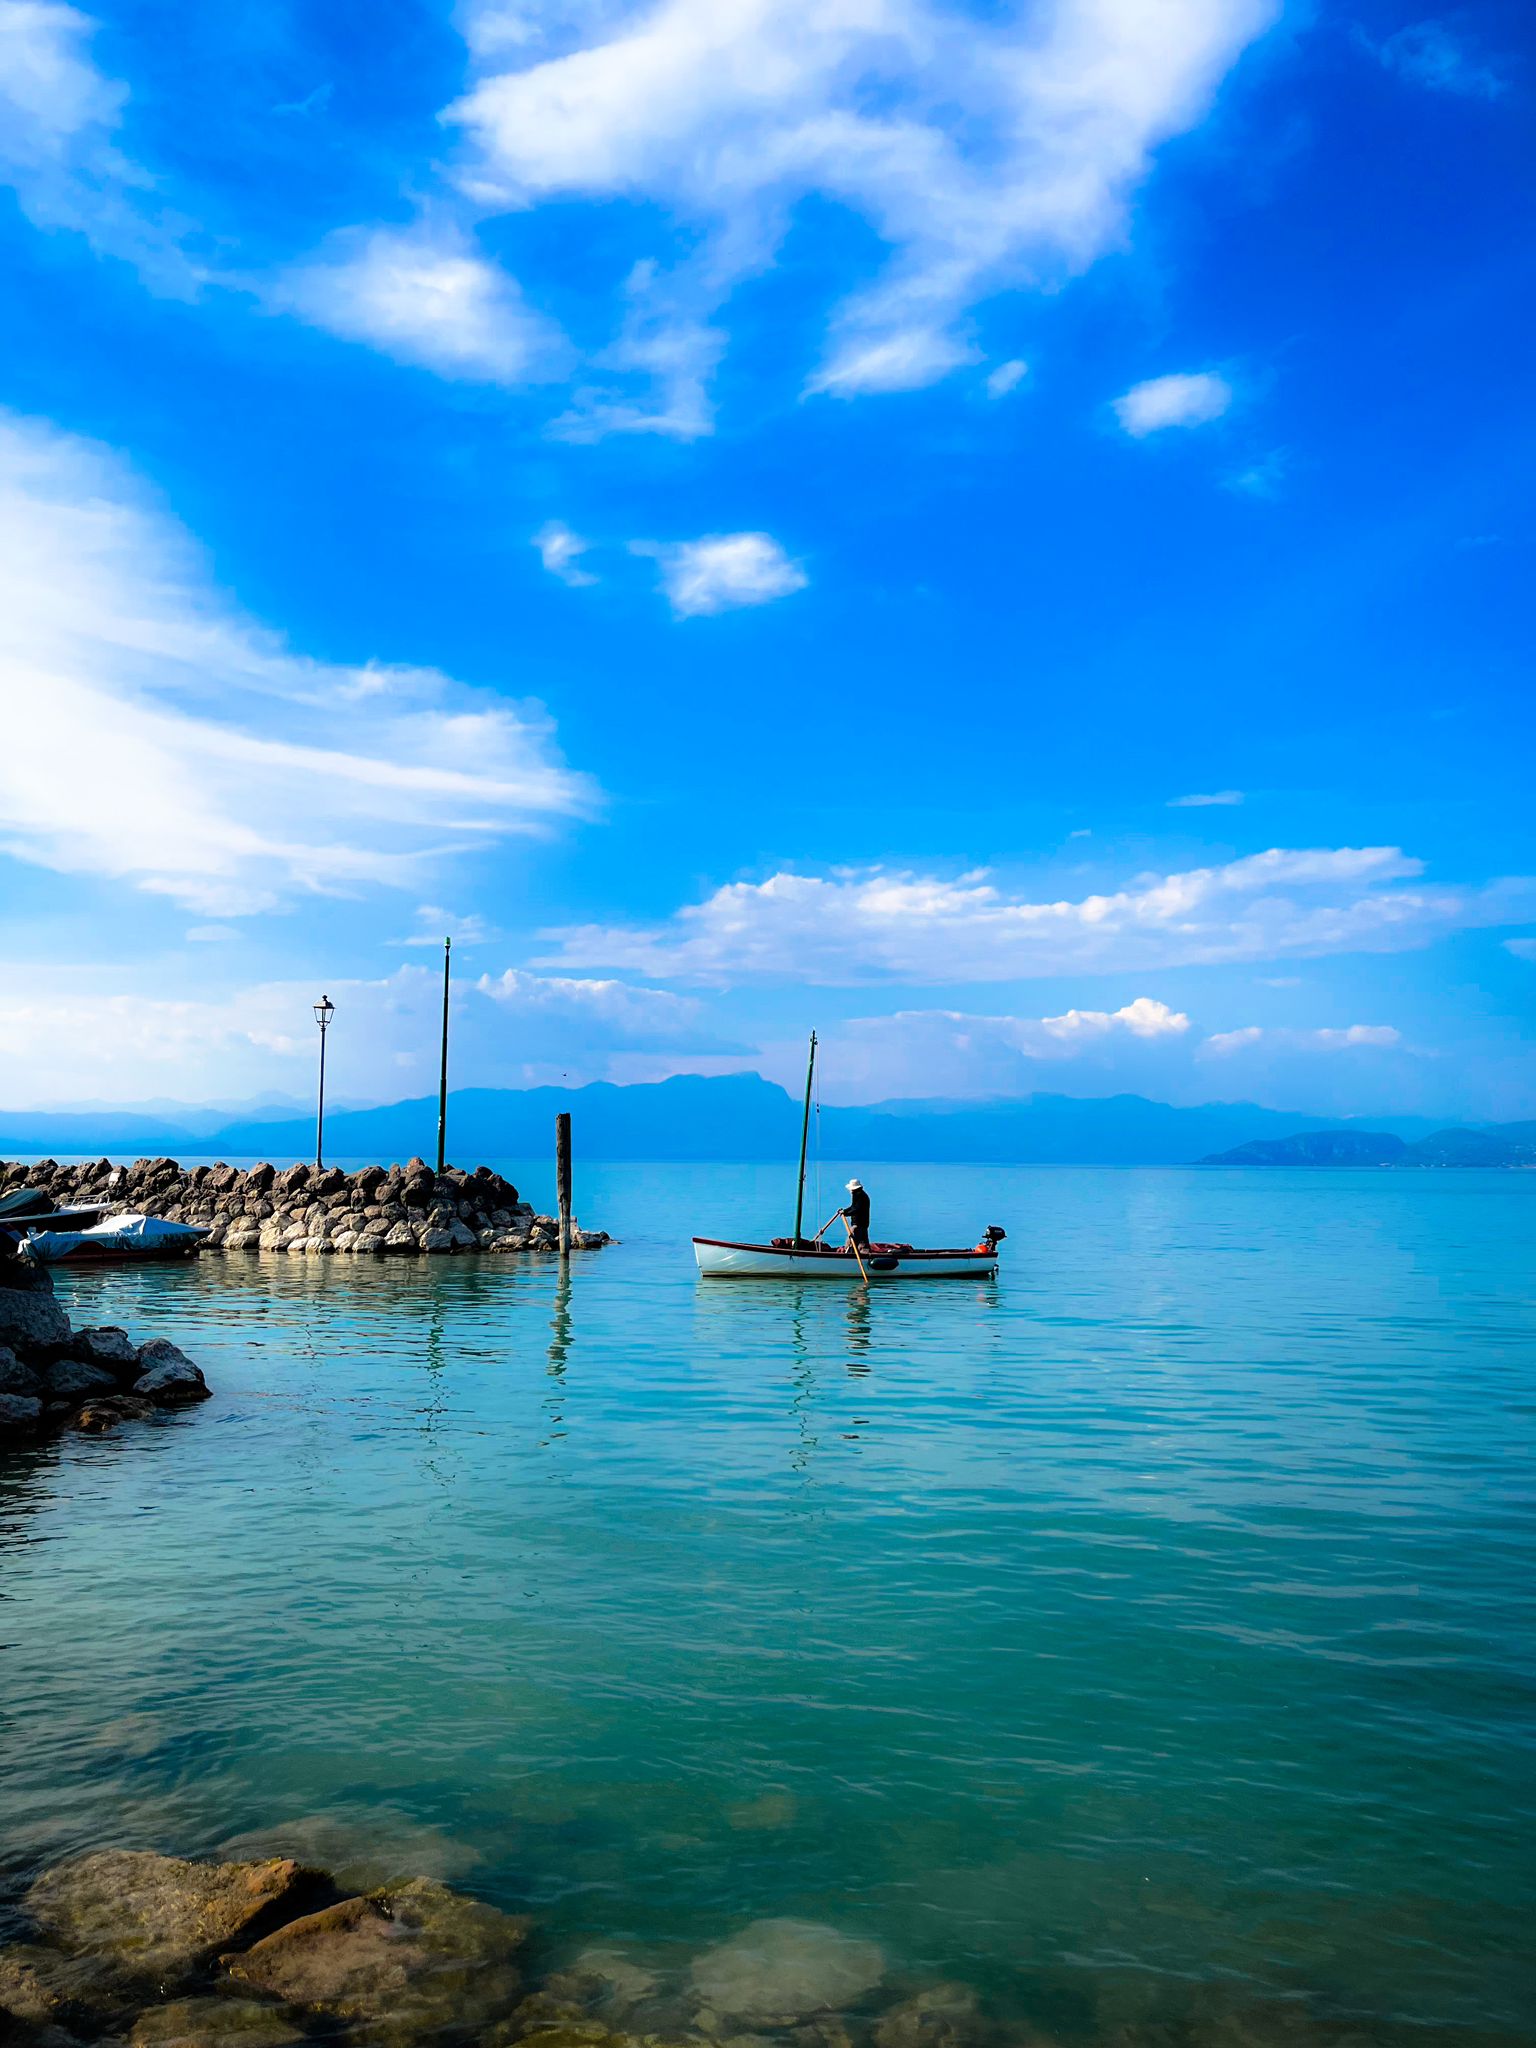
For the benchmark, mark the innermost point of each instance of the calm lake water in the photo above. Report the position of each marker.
(1146, 1636)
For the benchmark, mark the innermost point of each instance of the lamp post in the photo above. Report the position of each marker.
(325, 1010)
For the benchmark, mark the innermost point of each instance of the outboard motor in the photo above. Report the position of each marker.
(995, 1234)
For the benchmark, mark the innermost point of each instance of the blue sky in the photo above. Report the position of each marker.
(1003, 533)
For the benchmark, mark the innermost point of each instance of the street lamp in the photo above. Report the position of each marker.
(325, 1010)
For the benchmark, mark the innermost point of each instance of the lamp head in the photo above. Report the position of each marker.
(325, 1010)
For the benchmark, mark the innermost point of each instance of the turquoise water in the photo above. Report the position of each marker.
(1145, 1636)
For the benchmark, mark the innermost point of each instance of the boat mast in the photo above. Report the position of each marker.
(805, 1132)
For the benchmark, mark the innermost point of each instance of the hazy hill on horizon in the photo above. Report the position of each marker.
(695, 1117)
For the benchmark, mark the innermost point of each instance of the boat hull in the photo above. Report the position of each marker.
(719, 1259)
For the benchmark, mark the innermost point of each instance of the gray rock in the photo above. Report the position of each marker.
(172, 1386)
(106, 1346)
(436, 1240)
(157, 1914)
(400, 1238)
(777, 1971)
(31, 1320)
(20, 1414)
(16, 1378)
(71, 1379)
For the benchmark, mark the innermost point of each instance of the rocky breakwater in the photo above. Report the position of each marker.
(149, 1950)
(55, 1377)
(378, 1210)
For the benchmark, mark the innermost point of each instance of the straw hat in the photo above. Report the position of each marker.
(855, 1184)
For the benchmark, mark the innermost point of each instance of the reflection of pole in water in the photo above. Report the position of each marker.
(559, 1349)
(859, 1308)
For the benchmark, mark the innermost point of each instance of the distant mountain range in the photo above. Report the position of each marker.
(732, 1117)
(1487, 1145)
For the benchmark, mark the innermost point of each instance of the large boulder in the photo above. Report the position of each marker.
(20, 1414)
(215, 2023)
(107, 1346)
(71, 1379)
(157, 1915)
(171, 1380)
(777, 1971)
(406, 1962)
(16, 1378)
(31, 1321)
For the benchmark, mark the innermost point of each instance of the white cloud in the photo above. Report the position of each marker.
(205, 760)
(1346, 1038)
(59, 117)
(511, 1030)
(1186, 400)
(211, 934)
(1431, 54)
(424, 295)
(1195, 803)
(984, 154)
(1523, 949)
(434, 924)
(1006, 377)
(559, 550)
(866, 924)
(722, 572)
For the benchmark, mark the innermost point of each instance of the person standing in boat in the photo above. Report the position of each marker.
(857, 1213)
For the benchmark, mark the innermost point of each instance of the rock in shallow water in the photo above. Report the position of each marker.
(16, 1378)
(158, 1915)
(404, 1962)
(71, 1379)
(20, 1414)
(783, 1970)
(943, 2016)
(31, 1320)
(167, 1376)
(47, 1989)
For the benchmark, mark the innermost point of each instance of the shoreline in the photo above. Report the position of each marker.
(372, 1211)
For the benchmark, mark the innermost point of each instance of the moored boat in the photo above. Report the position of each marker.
(116, 1238)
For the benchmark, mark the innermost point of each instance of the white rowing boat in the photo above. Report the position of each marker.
(721, 1259)
(807, 1258)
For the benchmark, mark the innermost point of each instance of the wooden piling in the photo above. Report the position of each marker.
(563, 1177)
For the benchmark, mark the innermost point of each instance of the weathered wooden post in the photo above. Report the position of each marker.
(563, 1178)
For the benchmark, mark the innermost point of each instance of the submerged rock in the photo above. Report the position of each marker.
(943, 2016)
(105, 1411)
(603, 1980)
(776, 1971)
(158, 1915)
(48, 1989)
(215, 2023)
(404, 1962)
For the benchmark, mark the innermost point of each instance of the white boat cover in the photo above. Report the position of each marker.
(138, 1233)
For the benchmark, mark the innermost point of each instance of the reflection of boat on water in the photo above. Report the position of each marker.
(115, 1238)
(807, 1258)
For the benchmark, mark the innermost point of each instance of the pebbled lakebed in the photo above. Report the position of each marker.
(1143, 1642)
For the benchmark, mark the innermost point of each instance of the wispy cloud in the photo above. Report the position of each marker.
(870, 924)
(984, 154)
(434, 924)
(1431, 53)
(1523, 949)
(1221, 797)
(208, 762)
(1005, 378)
(59, 121)
(426, 296)
(509, 1030)
(1343, 1038)
(722, 572)
(1189, 399)
(559, 551)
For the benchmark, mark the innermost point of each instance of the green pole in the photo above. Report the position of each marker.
(805, 1132)
(442, 1083)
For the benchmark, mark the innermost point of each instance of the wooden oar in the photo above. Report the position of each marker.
(853, 1246)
